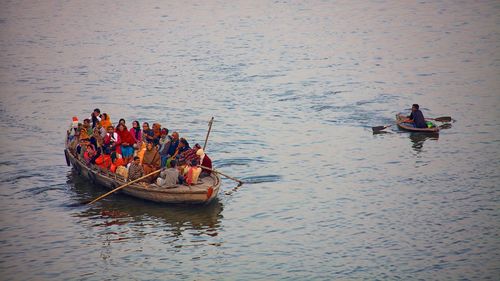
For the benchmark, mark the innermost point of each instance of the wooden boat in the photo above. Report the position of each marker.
(409, 126)
(202, 193)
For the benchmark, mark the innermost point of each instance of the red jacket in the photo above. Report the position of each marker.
(207, 162)
(125, 136)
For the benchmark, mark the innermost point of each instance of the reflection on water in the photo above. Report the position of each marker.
(418, 139)
(118, 209)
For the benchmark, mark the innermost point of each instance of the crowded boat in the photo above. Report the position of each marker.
(134, 152)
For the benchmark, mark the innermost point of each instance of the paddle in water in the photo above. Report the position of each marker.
(380, 128)
(441, 119)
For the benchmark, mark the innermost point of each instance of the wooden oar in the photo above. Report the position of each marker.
(441, 119)
(229, 177)
(380, 128)
(122, 186)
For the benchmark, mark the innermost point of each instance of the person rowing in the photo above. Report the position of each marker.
(416, 117)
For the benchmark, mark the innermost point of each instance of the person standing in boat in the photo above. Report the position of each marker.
(151, 161)
(416, 117)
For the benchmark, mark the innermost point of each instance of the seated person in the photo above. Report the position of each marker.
(110, 140)
(103, 161)
(416, 117)
(126, 142)
(90, 154)
(81, 147)
(174, 143)
(170, 176)
(105, 121)
(136, 133)
(156, 133)
(205, 161)
(147, 133)
(164, 146)
(88, 128)
(151, 161)
(192, 173)
(72, 129)
(96, 139)
(187, 156)
(135, 170)
(116, 161)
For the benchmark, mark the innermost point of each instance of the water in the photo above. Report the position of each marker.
(295, 88)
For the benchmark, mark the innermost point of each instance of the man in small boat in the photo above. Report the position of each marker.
(416, 117)
(169, 177)
(135, 170)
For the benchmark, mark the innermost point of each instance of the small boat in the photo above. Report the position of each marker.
(433, 129)
(203, 192)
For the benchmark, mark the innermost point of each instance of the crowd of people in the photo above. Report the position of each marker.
(135, 153)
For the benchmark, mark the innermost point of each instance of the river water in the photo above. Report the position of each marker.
(295, 87)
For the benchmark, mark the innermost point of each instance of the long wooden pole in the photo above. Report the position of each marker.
(205, 145)
(208, 133)
(122, 186)
(215, 171)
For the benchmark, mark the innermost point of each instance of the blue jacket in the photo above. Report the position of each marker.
(418, 119)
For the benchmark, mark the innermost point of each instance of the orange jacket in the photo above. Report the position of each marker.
(118, 162)
(103, 161)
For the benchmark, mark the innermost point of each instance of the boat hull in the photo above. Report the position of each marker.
(202, 193)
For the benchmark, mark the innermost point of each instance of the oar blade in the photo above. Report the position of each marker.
(443, 119)
(379, 128)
